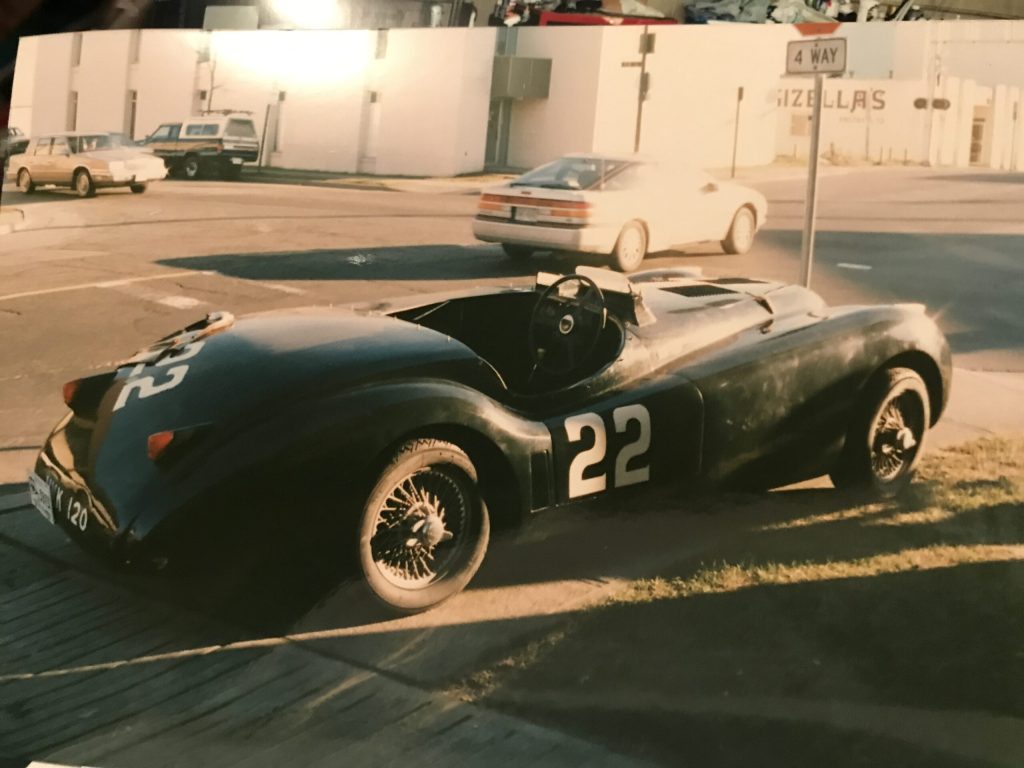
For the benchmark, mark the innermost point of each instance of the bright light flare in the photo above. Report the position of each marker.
(309, 14)
(317, 58)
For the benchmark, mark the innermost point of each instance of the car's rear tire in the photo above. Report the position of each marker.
(191, 168)
(25, 183)
(424, 528)
(630, 248)
(517, 252)
(82, 183)
(886, 435)
(137, 189)
(741, 232)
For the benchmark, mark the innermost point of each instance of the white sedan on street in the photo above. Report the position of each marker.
(620, 206)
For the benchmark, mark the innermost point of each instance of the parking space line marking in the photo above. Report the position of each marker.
(104, 284)
(844, 265)
(283, 288)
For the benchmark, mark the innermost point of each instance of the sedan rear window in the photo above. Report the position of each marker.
(571, 173)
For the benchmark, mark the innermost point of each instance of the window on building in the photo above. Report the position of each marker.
(72, 121)
(382, 43)
(374, 97)
(130, 113)
(76, 49)
(135, 45)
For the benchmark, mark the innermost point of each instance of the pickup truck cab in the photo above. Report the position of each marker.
(204, 145)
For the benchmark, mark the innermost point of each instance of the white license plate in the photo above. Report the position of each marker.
(39, 493)
(236, 160)
(525, 214)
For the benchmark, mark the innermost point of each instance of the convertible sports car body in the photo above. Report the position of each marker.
(400, 431)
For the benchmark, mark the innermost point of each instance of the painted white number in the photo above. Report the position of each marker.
(146, 386)
(638, 447)
(574, 426)
(77, 515)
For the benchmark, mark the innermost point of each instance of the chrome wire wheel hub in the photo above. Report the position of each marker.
(896, 437)
(420, 529)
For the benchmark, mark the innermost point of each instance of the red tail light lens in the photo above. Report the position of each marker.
(69, 391)
(158, 443)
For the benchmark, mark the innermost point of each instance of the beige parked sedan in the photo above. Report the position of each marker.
(85, 162)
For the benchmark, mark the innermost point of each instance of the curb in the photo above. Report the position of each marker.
(11, 220)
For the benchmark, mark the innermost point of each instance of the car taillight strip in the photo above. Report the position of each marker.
(534, 202)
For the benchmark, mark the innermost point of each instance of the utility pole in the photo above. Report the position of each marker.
(646, 47)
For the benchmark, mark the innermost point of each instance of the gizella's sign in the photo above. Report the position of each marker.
(842, 99)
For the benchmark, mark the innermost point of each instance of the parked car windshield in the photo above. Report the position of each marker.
(571, 173)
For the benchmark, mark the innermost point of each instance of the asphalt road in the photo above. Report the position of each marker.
(89, 281)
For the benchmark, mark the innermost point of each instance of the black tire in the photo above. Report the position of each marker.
(231, 171)
(630, 248)
(398, 561)
(877, 456)
(517, 252)
(191, 168)
(82, 183)
(137, 189)
(25, 183)
(741, 232)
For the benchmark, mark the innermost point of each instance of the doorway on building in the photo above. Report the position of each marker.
(498, 122)
(977, 140)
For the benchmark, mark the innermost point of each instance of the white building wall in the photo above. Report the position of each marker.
(101, 80)
(691, 111)
(427, 91)
(165, 76)
(42, 81)
(544, 129)
(23, 89)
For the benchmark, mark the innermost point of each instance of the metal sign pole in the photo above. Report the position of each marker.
(810, 208)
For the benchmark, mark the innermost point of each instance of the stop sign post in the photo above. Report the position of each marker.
(817, 57)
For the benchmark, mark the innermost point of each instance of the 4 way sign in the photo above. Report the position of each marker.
(824, 56)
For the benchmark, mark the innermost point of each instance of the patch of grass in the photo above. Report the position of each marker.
(819, 606)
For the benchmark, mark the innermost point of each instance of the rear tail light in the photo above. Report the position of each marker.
(69, 391)
(158, 443)
(83, 395)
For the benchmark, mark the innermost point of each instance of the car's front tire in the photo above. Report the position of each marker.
(425, 528)
(740, 238)
(517, 252)
(630, 248)
(83, 184)
(137, 189)
(886, 434)
(25, 183)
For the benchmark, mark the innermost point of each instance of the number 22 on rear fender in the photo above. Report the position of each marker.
(650, 435)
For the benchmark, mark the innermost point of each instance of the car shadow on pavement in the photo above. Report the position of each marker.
(412, 262)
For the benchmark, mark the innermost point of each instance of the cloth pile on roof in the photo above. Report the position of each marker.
(780, 11)
(513, 13)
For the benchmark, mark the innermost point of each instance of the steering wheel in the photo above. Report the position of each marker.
(565, 329)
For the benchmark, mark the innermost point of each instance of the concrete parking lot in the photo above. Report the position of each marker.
(98, 671)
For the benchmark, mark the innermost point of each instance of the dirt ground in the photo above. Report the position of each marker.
(827, 631)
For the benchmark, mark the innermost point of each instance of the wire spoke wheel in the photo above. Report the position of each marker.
(897, 434)
(425, 527)
(886, 435)
(420, 528)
